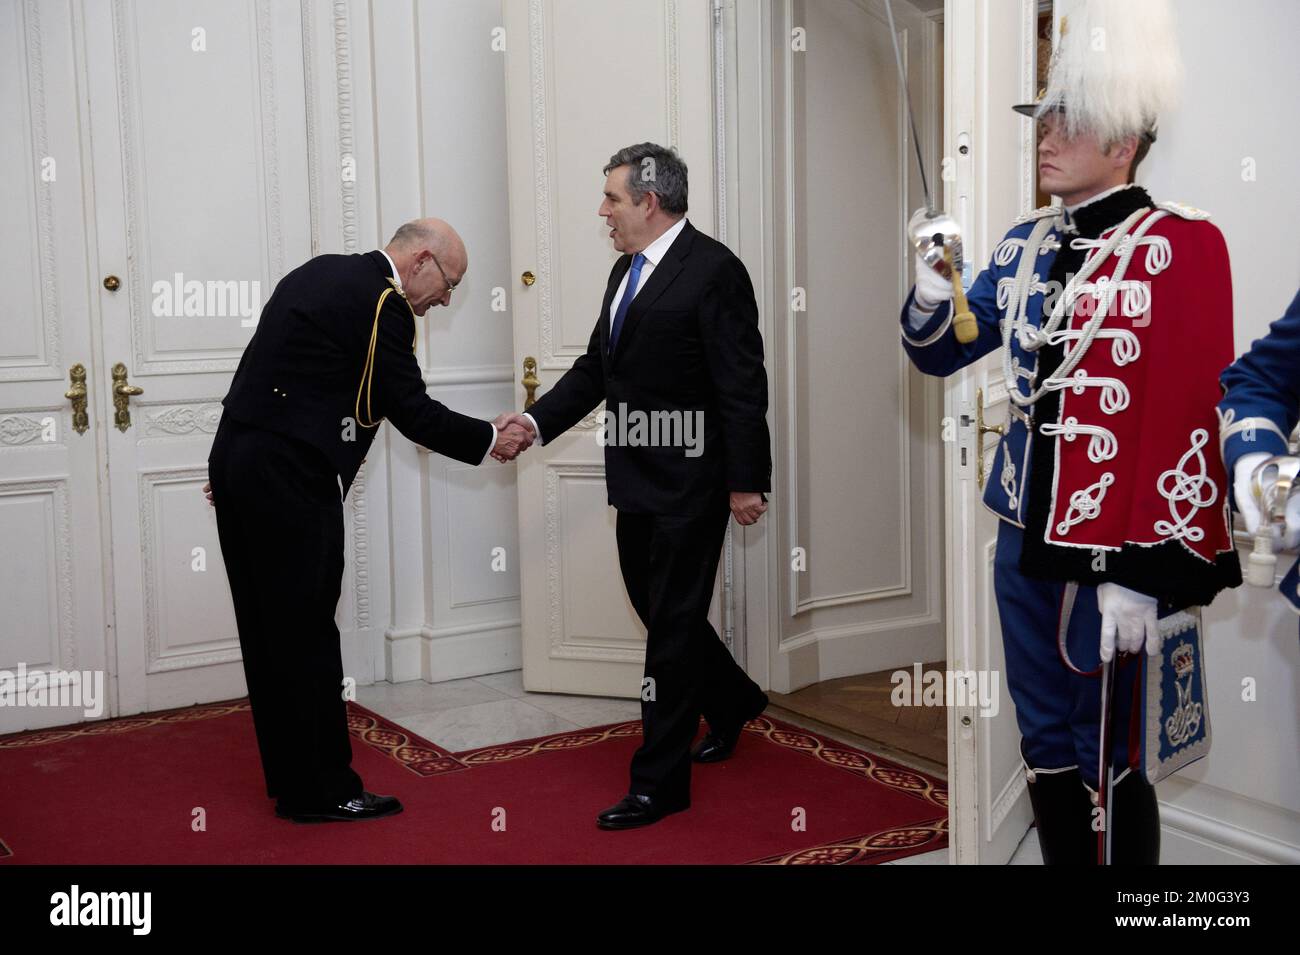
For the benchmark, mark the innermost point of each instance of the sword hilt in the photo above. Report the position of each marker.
(963, 323)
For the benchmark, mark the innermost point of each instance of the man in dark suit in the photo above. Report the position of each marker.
(332, 356)
(677, 338)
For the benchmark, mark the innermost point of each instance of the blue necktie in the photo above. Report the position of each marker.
(634, 276)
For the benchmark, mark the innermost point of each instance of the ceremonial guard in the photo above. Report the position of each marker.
(1113, 316)
(1260, 405)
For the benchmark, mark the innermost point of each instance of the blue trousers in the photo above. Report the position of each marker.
(1058, 711)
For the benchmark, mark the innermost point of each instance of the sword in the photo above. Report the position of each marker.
(934, 234)
(911, 117)
(1105, 785)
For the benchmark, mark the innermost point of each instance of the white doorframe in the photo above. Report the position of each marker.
(987, 797)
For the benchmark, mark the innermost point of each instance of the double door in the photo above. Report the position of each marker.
(160, 181)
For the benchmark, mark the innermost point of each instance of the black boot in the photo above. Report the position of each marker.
(1135, 837)
(1063, 815)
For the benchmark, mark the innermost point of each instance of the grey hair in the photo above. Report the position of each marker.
(652, 168)
(416, 234)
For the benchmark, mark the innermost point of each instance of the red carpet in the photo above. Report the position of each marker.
(126, 791)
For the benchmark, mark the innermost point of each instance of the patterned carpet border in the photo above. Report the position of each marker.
(399, 744)
(124, 724)
(864, 848)
(866, 765)
(574, 739)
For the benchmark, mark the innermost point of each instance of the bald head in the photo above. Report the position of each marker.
(430, 259)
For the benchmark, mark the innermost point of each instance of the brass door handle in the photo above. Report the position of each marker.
(982, 429)
(122, 394)
(77, 395)
(528, 278)
(530, 381)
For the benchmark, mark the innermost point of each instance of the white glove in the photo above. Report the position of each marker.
(1248, 507)
(1128, 616)
(932, 289)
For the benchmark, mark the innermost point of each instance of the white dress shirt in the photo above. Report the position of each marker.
(654, 253)
(397, 280)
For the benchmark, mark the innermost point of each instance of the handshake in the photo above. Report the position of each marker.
(514, 436)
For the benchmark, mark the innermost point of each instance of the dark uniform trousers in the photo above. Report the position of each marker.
(669, 564)
(280, 521)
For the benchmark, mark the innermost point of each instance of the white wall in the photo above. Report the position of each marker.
(414, 90)
(1238, 105)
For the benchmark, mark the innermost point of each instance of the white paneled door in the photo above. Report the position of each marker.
(580, 633)
(52, 617)
(163, 151)
(199, 155)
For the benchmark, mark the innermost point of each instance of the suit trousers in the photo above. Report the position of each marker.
(669, 564)
(280, 522)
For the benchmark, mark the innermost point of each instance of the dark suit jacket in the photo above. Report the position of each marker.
(689, 342)
(300, 373)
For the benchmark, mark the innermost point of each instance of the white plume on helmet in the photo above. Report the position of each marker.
(1116, 68)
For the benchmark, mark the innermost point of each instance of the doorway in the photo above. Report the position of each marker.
(856, 562)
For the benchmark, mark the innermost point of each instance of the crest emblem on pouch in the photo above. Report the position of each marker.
(1184, 721)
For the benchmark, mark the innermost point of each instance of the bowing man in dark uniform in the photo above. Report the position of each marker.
(678, 333)
(332, 356)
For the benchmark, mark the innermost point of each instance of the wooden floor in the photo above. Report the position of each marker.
(861, 705)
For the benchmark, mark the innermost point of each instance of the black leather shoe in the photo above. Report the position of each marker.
(714, 749)
(365, 806)
(718, 745)
(635, 810)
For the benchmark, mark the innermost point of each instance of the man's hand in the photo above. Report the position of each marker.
(513, 417)
(1128, 619)
(747, 506)
(1242, 493)
(514, 436)
(1248, 506)
(207, 491)
(932, 289)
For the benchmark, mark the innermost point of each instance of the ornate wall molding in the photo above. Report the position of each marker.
(360, 551)
(307, 20)
(591, 421)
(270, 142)
(347, 134)
(541, 181)
(180, 420)
(674, 75)
(19, 428)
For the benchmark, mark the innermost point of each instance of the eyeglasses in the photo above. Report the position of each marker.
(451, 287)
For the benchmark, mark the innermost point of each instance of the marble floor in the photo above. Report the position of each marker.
(466, 714)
